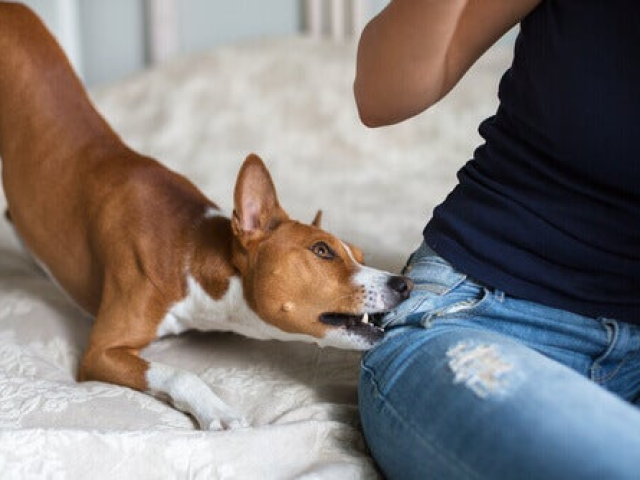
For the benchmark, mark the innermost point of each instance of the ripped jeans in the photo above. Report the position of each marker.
(471, 383)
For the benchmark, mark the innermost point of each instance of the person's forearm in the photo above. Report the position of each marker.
(401, 64)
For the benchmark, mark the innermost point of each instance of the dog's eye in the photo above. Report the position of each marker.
(322, 250)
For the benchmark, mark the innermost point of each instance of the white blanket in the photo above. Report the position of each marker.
(289, 100)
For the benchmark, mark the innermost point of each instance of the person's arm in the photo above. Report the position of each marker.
(415, 51)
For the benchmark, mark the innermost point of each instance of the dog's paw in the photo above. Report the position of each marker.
(226, 423)
(237, 423)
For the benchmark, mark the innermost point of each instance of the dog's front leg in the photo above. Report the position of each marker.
(121, 330)
(186, 391)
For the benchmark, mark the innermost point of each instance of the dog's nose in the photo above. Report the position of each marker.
(401, 285)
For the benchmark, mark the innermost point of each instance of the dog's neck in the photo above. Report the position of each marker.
(214, 298)
(198, 310)
(230, 313)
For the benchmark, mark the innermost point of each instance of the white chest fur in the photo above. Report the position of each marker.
(198, 311)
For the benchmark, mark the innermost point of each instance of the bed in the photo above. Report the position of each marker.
(289, 100)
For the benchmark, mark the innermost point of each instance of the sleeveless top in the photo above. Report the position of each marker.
(548, 209)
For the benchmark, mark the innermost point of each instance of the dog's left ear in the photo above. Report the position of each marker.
(317, 220)
(256, 207)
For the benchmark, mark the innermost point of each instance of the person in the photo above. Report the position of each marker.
(517, 354)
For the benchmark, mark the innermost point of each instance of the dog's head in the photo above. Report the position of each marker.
(300, 279)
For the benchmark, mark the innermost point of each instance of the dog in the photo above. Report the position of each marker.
(144, 252)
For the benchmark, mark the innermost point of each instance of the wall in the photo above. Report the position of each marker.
(108, 41)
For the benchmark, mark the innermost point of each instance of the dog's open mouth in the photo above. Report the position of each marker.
(366, 322)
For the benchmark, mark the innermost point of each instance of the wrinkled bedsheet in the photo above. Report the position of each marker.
(290, 101)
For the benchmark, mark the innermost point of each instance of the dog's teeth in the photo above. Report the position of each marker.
(365, 318)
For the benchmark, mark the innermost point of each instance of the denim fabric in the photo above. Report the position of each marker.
(472, 383)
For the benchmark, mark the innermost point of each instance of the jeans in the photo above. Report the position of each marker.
(471, 383)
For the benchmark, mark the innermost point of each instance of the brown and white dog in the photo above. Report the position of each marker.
(142, 250)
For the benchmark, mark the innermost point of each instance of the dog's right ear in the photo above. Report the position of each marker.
(317, 220)
(256, 207)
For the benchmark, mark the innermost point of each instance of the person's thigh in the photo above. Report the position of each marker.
(457, 402)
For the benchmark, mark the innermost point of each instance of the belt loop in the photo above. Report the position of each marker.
(499, 295)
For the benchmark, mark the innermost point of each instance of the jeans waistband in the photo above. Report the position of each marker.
(429, 271)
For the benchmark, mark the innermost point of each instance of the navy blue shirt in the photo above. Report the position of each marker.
(548, 209)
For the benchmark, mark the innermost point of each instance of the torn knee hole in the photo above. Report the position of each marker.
(480, 367)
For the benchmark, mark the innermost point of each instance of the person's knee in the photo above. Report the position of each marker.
(451, 351)
(406, 379)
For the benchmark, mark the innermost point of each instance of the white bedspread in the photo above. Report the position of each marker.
(290, 101)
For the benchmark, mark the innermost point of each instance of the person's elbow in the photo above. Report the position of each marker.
(378, 107)
(369, 113)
